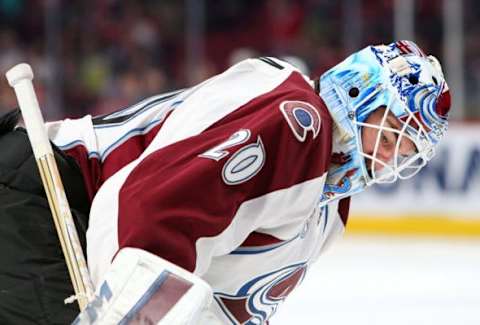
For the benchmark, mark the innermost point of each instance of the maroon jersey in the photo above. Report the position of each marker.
(223, 179)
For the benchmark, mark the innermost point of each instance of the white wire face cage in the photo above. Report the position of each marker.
(399, 159)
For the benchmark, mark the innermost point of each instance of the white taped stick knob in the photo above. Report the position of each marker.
(18, 73)
(20, 78)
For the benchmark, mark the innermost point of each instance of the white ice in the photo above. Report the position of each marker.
(389, 281)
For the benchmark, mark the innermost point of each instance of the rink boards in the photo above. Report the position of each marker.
(443, 199)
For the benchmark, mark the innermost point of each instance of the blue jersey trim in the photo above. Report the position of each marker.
(102, 156)
(108, 121)
(127, 136)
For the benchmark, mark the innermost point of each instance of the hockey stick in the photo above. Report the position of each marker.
(20, 78)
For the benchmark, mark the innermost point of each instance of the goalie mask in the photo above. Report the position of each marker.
(390, 105)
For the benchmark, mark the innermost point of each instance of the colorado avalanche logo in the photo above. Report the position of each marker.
(301, 117)
(257, 300)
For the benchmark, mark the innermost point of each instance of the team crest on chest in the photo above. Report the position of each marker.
(257, 300)
(302, 117)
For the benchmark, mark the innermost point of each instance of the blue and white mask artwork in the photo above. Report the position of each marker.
(402, 82)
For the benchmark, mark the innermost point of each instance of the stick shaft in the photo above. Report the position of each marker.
(65, 227)
(20, 80)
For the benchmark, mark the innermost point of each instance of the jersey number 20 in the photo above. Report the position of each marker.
(245, 163)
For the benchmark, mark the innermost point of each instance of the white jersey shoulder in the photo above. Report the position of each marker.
(245, 80)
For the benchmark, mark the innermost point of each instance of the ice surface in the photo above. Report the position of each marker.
(389, 281)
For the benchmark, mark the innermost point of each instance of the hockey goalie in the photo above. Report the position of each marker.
(208, 205)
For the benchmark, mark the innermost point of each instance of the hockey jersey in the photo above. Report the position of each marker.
(223, 179)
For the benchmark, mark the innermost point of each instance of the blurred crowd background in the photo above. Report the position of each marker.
(98, 56)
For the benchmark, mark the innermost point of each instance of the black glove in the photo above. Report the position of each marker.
(18, 167)
(34, 279)
(8, 121)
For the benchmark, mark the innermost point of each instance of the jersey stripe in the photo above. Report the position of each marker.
(245, 250)
(259, 239)
(271, 62)
(124, 115)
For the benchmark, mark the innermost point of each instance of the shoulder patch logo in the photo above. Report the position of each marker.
(301, 117)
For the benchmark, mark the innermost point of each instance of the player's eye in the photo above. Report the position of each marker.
(384, 139)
